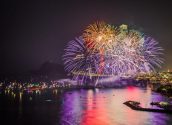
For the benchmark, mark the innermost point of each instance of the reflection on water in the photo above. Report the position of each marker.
(105, 107)
(83, 107)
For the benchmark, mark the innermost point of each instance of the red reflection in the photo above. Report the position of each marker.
(90, 118)
(132, 93)
(131, 88)
(96, 113)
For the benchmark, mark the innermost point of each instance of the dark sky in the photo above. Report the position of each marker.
(35, 32)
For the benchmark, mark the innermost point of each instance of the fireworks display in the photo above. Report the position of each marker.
(105, 50)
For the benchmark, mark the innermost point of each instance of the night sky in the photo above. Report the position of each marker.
(36, 32)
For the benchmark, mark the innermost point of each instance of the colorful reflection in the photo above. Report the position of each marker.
(83, 107)
(105, 107)
(95, 113)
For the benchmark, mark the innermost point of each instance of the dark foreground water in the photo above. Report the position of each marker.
(81, 107)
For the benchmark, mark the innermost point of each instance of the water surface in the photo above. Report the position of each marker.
(82, 107)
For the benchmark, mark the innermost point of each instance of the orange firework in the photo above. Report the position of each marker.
(99, 35)
(98, 38)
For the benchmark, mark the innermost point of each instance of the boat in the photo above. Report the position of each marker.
(136, 106)
(164, 105)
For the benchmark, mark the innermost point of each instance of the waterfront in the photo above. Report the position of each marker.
(81, 107)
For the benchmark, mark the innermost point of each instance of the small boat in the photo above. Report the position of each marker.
(135, 106)
(164, 105)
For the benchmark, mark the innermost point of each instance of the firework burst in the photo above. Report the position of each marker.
(79, 61)
(99, 36)
(106, 51)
